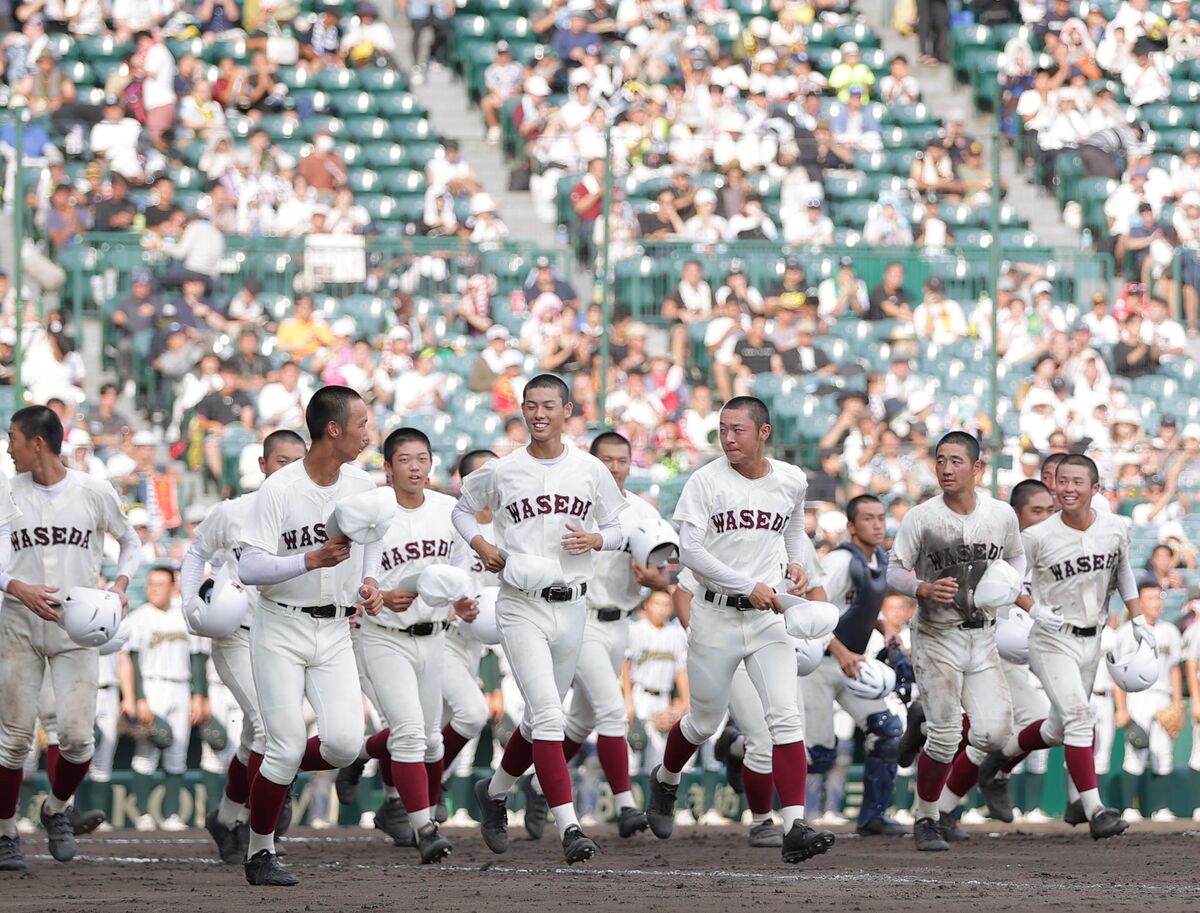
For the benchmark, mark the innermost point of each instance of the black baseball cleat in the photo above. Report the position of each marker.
(722, 751)
(392, 818)
(993, 785)
(881, 827)
(765, 836)
(948, 825)
(11, 857)
(60, 834)
(578, 846)
(1107, 823)
(802, 843)
(433, 846)
(660, 805)
(229, 846)
(494, 826)
(85, 822)
(441, 812)
(928, 836)
(263, 869)
(914, 736)
(536, 809)
(346, 783)
(1074, 814)
(631, 821)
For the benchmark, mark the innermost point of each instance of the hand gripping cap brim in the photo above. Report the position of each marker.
(654, 543)
(363, 518)
(531, 572)
(1012, 636)
(807, 619)
(442, 584)
(484, 629)
(875, 680)
(91, 616)
(999, 586)
(1135, 671)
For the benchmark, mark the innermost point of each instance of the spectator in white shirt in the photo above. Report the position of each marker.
(369, 29)
(811, 228)
(1145, 78)
(899, 87)
(281, 404)
(116, 138)
(938, 319)
(706, 226)
(1160, 330)
(886, 227)
(843, 294)
(1100, 323)
(154, 65)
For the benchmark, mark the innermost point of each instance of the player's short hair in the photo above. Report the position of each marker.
(549, 382)
(968, 442)
(1148, 582)
(610, 437)
(1052, 461)
(161, 569)
(403, 436)
(278, 438)
(40, 421)
(856, 504)
(1078, 459)
(472, 460)
(1023, 493)
(759, 413)
(328, 404)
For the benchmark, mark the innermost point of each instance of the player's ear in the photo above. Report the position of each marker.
(568, 408)
(764, 431)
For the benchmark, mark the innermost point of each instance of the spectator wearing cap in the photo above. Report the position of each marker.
(503, 78)
(153, 63)
(320, 45)
(545, 279)
(367, 30)
(1133, 356)
(690, 301)
(49, 93)
(806, 357)
(811, 229)
(851, 72)
(938, 319)
(899, 87)
(792, 290)
(1145, 77)
(303, 334)
(933, 173)
(843, 294)
(737, 288)
(856, 125)
(489, 364)
(886, 226)
(487, 228)
(706, 226)
(475, 305)
(322, 168)
(1100, 322)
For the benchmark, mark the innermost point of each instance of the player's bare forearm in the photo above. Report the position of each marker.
(1176, 685)
(681, 687)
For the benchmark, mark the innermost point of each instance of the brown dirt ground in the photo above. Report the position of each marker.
(1155, 867)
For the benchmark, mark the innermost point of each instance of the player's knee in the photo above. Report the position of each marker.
(576, 730)
(990, 735)
(469, 720)
(821, 758)
(611, 722)
(76, 742)
(14, 748)
(941, 742)
(758, 755)
(699, 728)
(543, 724)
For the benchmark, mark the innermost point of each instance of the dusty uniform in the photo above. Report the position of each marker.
(532, 502)
(296, 653)
(614, 592)
(218, 537)
(402, 651)
(1143, 705)
(1101, 706)
(58, 540)
(164, 650)
(1029, 704)
(954, 644)
(655, 657)
(744, 523)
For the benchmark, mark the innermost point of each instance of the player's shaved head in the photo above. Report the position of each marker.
(329, 404)
(280, 438)
(473, 460)
(857, 503)
(39, 422)
(1049, 466)
(402, 436)
(961, 439)
(1078, 459)
(548, 382)
(611, 438)
(759, 413)
(1023, 491)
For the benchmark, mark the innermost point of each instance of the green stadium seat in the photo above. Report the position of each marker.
(353, 103)
(337, 80)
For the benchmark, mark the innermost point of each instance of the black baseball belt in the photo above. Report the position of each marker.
(1081, 632)
(653, 692)
(425, 628)
(609, 614)
(329, 610)
(741, 603)
(978, 624)
(562, 593)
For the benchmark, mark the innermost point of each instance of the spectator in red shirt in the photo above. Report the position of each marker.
(587, 197)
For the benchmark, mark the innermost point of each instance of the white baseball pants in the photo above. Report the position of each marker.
(1066, 666)
(1103, 718)
(597, 702)
(407, 674)
(108, 711)
(231, 658)
(464, 708)
(746, 708)
(171, 700)
(1142, 707)
(228, 712)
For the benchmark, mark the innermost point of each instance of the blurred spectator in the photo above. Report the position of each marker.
(116, 137)
(843, 294)
(219, 409)
(66, 219)
(689, 302)
(938, 319)
(281, 404)
(1133, 356)
(153, 64)
(889, 300)
(322, 168)
(303, 334)
(199, 251)
(115, 212)
(503, 79)
(425, 15)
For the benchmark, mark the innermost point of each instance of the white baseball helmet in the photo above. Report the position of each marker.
(222, 610)
(363, 518)
(91, 616)
(1012, 636)
(875, 680)
(117, 641)
(531, 572)
(442, 584)
(999, 586)
(809, 654)
(654, 543)
(484, 628)
(1134, 671)
(806, 619)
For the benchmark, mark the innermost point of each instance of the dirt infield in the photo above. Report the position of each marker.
(1155, 867)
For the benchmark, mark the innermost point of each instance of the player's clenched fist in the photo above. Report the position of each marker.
(397, 600)
(942, 590)
(765, 598)
(488, 554)
(798, 579)
(372, 598)
(467, 609)
(331, 554)
(38, 598)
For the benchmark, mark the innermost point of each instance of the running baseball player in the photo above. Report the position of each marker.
(1077, 559)
(654, 674)
(558, 504)
(402, 640)
(741, 523)
(855, 580)
(1140, 707)
(215, 545)
(307, 586)
(58, 519)
(941, 551)
(170, 681)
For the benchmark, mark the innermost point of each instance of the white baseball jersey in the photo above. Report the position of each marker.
(58, 540)
(162, 642)
(289, 519)
(8, 505)
(415, 540)
(656, 654)
(533, 501)
(220, 536)
(744, 519)
(1170, 651)
(1076, 569)
(935, 542)
(614, 586)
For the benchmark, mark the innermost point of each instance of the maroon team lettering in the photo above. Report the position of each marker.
(530, 508)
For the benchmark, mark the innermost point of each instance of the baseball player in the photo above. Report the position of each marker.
(1077, 559)
(216, 544)
(556, 502)
(654, 674)
(58, 518)
(741, 524)
(1191, 655)
(941, 551)
(307, 585)
(1141, 706)
(615, 592)
(855, 580)
(170, 681)
(402, 639)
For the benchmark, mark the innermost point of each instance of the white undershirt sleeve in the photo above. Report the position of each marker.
(1126, 581)
(130, 556)
(464, 520)
(901, 579)
(1018, 563)
(793, 538)
(698, 559)
(611, 533)
(258, 568)
(373, 560)
(5, 554)
(191, 572)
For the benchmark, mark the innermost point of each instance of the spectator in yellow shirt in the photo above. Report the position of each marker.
(303, 334)
(851, 72)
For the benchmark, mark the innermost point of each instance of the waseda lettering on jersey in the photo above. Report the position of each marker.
(50, 535)
(1084, 564)
(729, 520)
(305, 537)
(965, 554)
(531, 508)
(414, 551)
